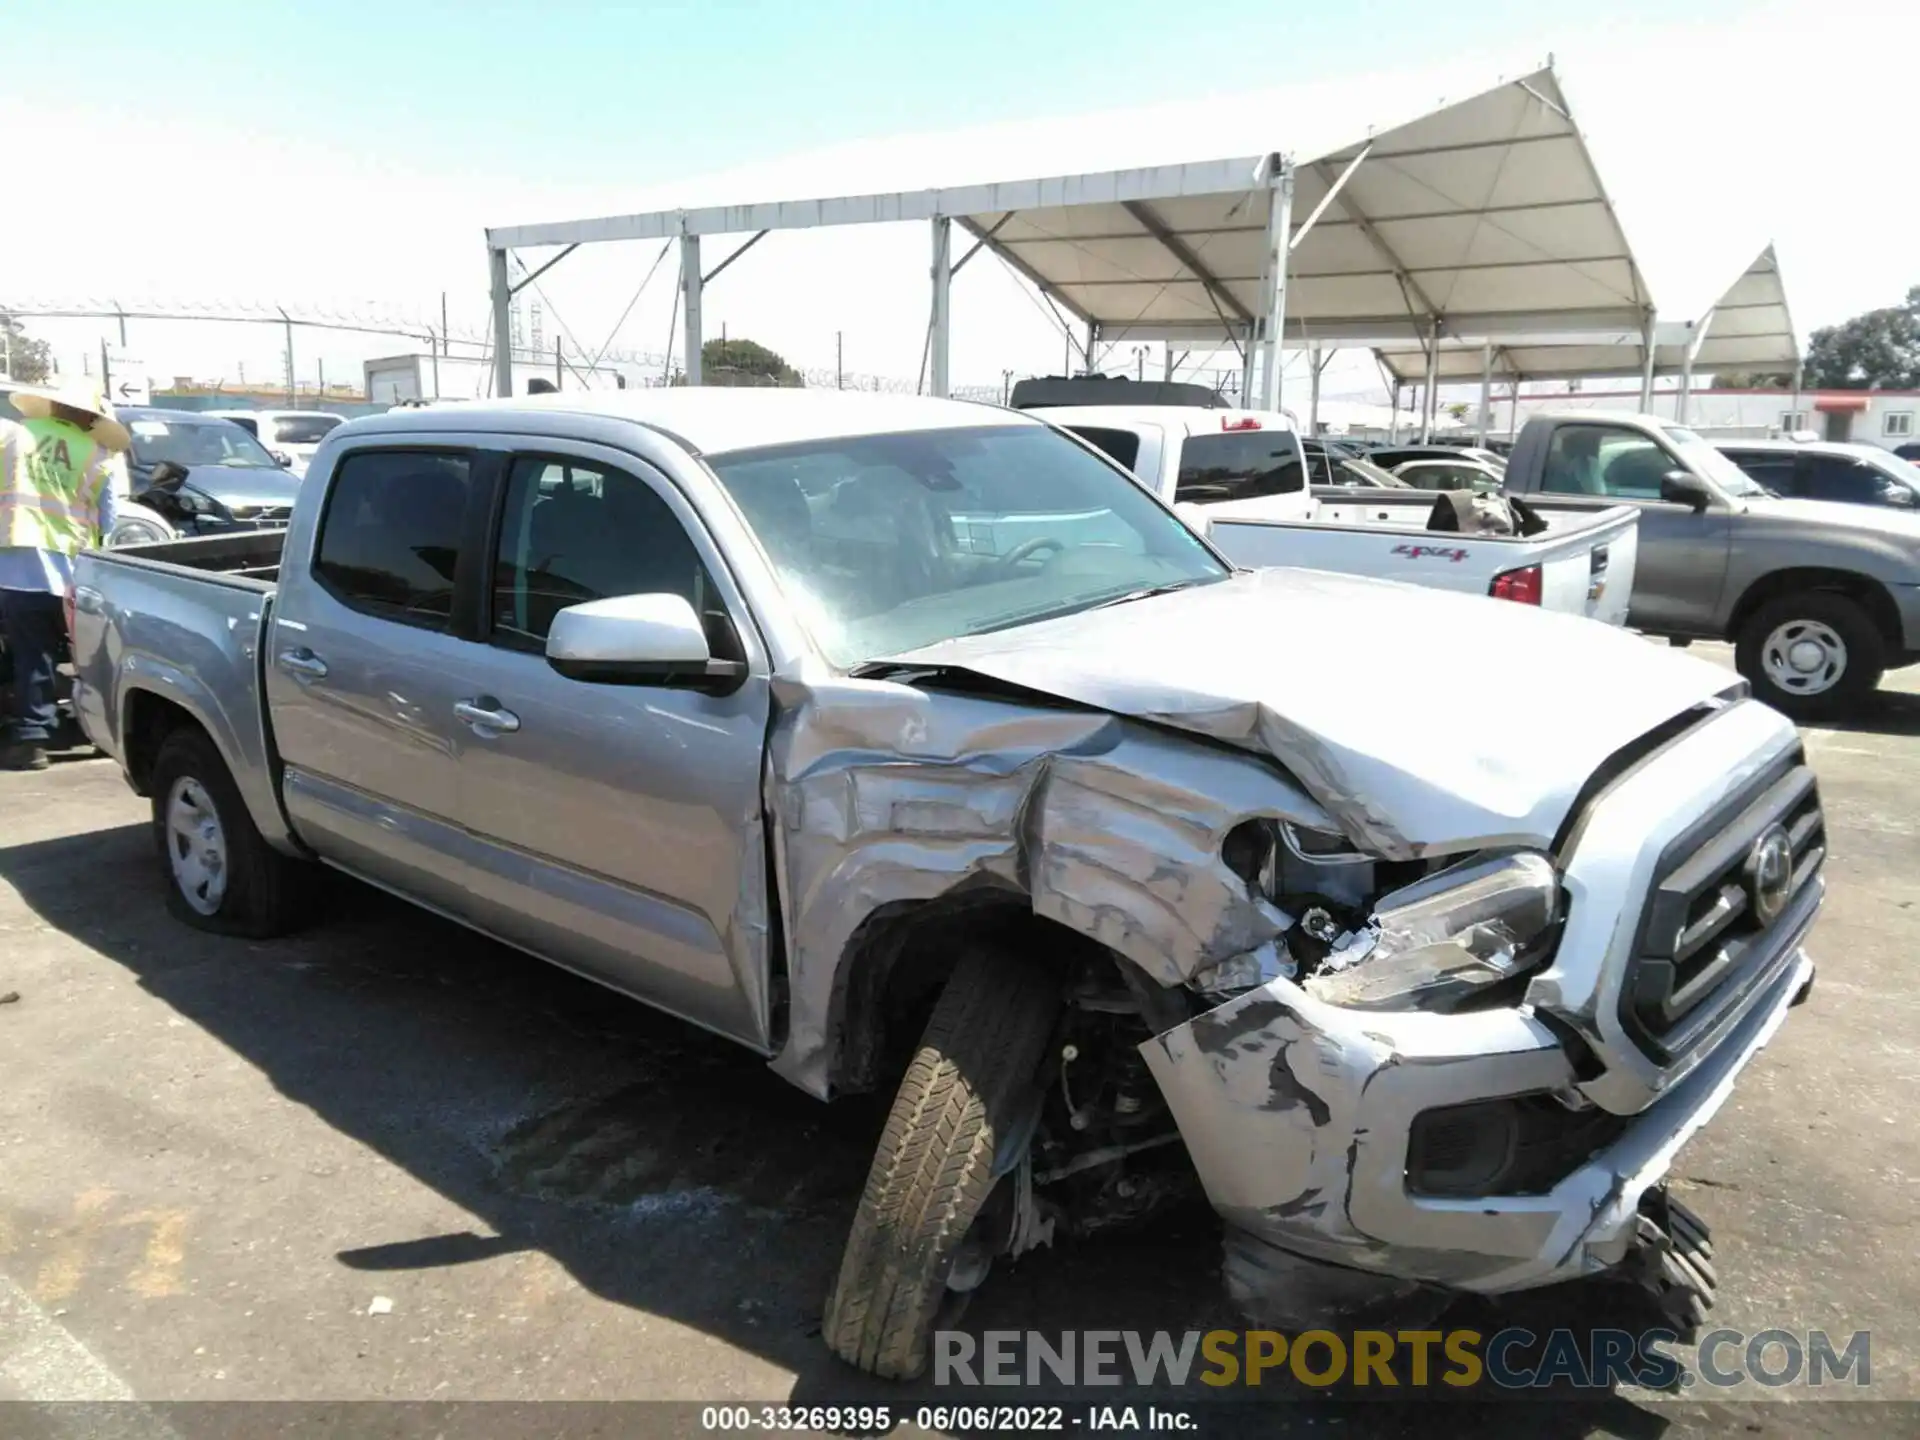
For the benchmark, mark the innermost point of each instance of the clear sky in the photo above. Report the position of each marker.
(352, 152)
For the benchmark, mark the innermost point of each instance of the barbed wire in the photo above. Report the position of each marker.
(476, 341)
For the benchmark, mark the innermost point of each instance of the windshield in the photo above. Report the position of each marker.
(1352, 470)
(886, 543)
(197, 442)
(1894, 468)
(1710, 463)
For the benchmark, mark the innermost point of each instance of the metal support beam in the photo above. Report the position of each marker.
(1020, 267)
(533, 275)
(1427, 401)
(1273, 289)
(1695, 339)
(1393, 425)
(707, 279)
(1151, 222)
(1092, 349)
(1313, 394)
(981, 243)
(1486, 394)
(1650, 343)
(1333, 191)
(941, 327)
(690, 305)
(502, 323)
(1409, 287)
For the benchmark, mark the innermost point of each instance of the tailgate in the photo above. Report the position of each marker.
(1587, 568)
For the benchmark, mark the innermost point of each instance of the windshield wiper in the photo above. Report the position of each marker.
(1147, 594)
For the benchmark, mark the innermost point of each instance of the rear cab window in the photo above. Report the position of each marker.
(1122, 446)
(1239, 465)
(303, 429)
(390, 536)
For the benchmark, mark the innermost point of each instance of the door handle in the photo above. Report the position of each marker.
(483, 713)
(302, 661)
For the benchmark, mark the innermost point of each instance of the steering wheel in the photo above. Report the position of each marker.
(1027, 549)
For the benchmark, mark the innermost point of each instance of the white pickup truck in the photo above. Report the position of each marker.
(1239, 477)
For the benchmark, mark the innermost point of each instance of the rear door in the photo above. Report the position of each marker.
(615, 828)
(365, 645)
(1681, 565)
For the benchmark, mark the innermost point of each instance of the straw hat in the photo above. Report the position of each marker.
(38, 404)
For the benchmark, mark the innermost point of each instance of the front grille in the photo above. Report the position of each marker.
(1703, 941)
(262, 515)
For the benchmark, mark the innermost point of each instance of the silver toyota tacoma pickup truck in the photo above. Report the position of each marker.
(1420, 929)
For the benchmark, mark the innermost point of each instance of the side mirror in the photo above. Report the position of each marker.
(638, 640)
(1195, 517)
(167, 477)
(282, 459)
(1681, 487)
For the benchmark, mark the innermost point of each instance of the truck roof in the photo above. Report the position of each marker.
(711, 419)
(1189, 418)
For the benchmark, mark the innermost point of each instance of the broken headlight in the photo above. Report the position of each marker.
(1447, 938)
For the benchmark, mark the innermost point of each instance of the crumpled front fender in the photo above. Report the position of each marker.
(885, 793)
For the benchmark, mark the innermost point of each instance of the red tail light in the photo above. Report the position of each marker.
(1245, 422)
(1523, 585)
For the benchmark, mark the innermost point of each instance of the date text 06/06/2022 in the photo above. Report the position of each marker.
(874, 1419)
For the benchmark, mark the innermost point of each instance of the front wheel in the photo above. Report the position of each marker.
(1812, 656)
(222, 876)
(910, 1254)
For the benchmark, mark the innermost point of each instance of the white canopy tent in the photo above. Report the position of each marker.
(1479, 217)
(1746, 327)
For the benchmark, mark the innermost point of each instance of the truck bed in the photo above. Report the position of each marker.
(1586, 559)
(251, 556)
(179, 623)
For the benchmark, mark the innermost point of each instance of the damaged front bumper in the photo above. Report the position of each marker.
(1304, 1120)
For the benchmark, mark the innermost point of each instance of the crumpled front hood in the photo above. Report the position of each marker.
(1425, 722)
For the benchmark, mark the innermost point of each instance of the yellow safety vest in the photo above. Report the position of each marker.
(50, 487)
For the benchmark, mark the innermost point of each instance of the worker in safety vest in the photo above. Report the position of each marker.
(59, 471)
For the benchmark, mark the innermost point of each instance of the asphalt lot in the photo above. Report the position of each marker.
(387, 1160)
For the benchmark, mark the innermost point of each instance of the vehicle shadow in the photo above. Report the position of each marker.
(665, 1169)
(1886, 712)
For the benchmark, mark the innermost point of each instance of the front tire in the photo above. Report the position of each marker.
(222, 876)
(931, 1176)
(1812, 655)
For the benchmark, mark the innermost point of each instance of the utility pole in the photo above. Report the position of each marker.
(289, 325)
(106, 376)
(557, 376)
(323, 378)
(1006, 387)
(839, 360)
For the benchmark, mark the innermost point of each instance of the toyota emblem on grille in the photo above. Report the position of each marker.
(1770, 874)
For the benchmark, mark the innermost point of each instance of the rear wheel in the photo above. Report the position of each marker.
(915, 1249)
(1812, 655)
(222, 876)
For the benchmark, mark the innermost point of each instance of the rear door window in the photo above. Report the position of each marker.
(390, 536)
(1241, 465)
(1836, 477)
(1771, 468)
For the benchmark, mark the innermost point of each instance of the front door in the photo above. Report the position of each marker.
(616, 827)
(1681, 565)
(359, 672)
